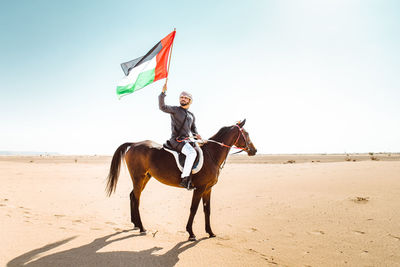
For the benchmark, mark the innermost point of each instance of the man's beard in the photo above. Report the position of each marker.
(184, 104)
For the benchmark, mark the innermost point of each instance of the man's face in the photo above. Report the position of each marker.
(184, 100)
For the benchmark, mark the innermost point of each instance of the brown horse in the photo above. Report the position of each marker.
(148, 159)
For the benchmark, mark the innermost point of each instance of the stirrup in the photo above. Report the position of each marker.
(186, 182)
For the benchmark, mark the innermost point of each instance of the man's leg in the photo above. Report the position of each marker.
(190, 154)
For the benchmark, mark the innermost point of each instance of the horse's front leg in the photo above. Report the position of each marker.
(207, 211)
(193, 209)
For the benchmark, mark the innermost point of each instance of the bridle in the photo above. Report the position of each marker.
(246, 148)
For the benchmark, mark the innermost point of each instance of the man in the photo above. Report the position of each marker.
(183, 127)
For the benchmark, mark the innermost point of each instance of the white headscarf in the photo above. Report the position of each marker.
(184, 93)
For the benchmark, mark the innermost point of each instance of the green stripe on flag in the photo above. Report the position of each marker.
(145, 78)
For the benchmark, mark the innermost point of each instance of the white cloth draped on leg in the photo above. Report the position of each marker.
(190, 154)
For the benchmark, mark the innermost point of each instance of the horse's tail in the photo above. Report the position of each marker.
(113, 175)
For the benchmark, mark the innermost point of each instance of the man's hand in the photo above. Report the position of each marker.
(198, 137)
(164, 89)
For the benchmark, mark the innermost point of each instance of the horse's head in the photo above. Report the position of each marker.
(243, 141)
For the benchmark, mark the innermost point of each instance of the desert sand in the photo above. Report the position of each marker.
(267, 210)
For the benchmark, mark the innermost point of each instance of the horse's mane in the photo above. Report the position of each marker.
(218, 136)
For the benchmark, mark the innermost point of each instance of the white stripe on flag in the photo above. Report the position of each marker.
(134, 73)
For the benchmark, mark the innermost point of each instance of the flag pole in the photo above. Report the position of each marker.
(169, 60)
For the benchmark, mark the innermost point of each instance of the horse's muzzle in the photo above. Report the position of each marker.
(251, 150)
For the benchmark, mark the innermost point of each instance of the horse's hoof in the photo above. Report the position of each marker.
(212, 235)
(136, 228)
(192, 238)
(144, 232)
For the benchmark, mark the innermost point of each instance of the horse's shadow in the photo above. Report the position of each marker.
(87, 255)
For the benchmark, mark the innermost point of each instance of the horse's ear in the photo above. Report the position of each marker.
(241, 123)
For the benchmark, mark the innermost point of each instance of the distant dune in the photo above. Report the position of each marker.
(239, 159)
(26, 153)
(300, 158)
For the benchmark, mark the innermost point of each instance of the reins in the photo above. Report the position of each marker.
(182, 140)
(222, 144)
(234, 144)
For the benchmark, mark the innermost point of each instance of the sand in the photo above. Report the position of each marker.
(269, 210)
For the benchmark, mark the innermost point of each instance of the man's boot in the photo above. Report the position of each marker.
(186, 182)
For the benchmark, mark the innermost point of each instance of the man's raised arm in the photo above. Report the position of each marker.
(161, 102)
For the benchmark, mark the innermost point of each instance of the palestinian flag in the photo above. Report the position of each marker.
(147, 69)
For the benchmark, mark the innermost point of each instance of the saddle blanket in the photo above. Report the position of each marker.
(180, 159)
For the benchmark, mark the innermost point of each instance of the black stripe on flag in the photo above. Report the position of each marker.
(127, 66)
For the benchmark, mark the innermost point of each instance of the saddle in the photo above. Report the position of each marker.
(180, 157)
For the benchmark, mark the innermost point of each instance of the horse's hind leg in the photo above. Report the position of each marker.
(133, 219)
(139, 183)
(207, 211)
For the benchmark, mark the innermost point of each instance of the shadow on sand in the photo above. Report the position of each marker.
(87, 255)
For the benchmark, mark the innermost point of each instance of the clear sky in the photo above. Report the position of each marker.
(309, 76)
